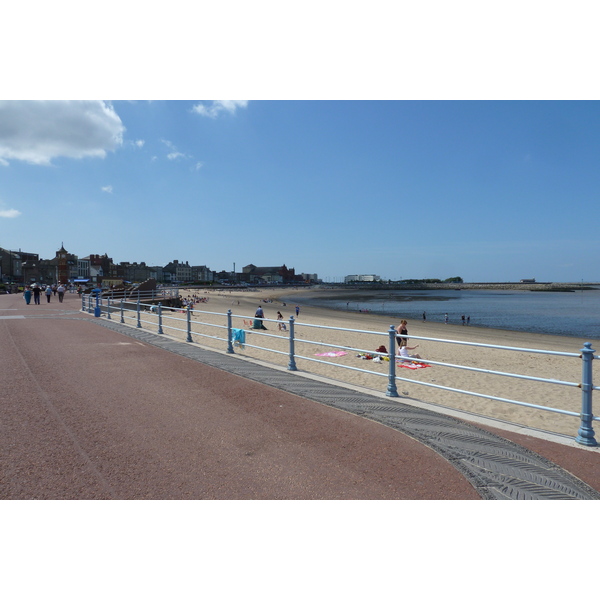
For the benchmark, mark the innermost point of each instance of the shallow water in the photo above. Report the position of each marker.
(574, 314)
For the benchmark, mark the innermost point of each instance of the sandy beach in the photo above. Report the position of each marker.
(312, 335)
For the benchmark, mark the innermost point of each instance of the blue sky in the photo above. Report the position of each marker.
(485, 190)
(406, 141)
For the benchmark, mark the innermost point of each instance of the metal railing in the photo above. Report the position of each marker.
(139, 312)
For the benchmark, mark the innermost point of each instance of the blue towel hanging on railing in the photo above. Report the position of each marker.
(239, 337)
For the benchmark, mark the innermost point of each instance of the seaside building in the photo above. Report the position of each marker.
(202, 273)
(95, 267)
(12, 263)
(269, 275)
(60, 269)
(176, 272)
(361, 278)
(135, 272)
(156, 272)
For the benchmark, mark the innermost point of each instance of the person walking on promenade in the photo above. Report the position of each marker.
(48, 293)
(37, 292)
(27, 295)
(61, 292)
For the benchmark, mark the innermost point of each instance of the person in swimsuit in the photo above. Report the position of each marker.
(402, 330)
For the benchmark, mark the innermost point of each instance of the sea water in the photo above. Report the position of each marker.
(574, 314)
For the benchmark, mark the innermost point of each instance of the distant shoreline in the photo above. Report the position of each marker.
(527, 287)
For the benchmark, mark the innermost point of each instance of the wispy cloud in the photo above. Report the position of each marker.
(37, 131)
(9, 213)
(174, 154)
(139, 143)
(216, 107)
(108, 189)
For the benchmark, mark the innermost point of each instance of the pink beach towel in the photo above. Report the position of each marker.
(332, 354)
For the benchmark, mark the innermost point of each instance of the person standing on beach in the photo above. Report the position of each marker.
(281, 324)
(297, 311)
(463, 319)
(446, 318)
(402, 329)
(424, 317)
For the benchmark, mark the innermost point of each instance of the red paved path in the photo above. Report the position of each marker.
(87, 413)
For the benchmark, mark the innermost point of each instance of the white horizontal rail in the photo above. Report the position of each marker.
(119, 304)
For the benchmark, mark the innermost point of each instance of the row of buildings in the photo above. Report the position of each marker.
(23, 268)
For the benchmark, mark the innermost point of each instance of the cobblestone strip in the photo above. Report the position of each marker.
(496, 467)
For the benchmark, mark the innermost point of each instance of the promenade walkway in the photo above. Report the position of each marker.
(92, 409)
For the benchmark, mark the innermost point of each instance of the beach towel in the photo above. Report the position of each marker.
(239, 337)
(412, 365)
(331, 354)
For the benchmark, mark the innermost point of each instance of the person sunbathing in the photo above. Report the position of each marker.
(403, 353)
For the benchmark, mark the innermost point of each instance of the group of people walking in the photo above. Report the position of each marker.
(36, 292)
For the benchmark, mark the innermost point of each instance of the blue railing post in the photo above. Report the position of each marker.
(392, 390)
(160, 329)
(586, 432)
(292, 362)
(139, 322)
(108, 309)
(189, 325)
(82, 302)
(90, 303)
(229, 334)
(122, 310)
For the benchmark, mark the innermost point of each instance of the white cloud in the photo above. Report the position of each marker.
(174, 154)
(218, 106)
(36, 131)
(140, 143)
(198, 166)
(108, 189)
(9, 213)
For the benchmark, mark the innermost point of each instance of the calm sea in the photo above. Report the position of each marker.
(559, 313)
